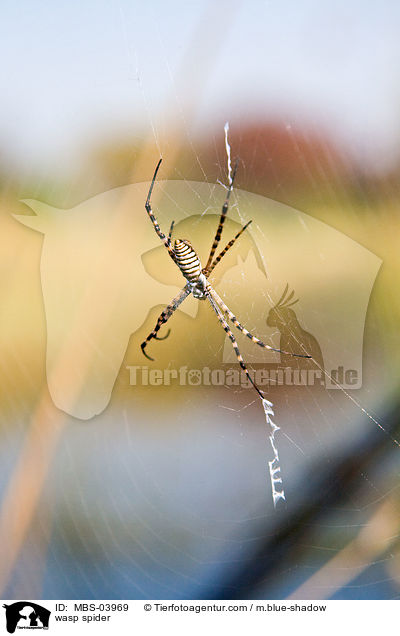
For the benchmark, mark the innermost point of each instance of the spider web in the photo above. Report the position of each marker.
(195, 488)
(166, 494)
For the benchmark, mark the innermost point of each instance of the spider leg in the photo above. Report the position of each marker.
(215, 262)
(247, 333)
(165, 315)
(170, 232)
(234, 343)
(163, 337)
(222, 219)
(153, 219)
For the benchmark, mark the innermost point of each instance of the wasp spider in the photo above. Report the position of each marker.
(185, 257)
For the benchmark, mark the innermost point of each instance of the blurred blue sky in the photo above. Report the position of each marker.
(77, 73)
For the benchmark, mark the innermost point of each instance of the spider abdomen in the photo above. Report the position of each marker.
(187, 259)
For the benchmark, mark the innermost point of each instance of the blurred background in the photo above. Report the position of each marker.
(165, 492)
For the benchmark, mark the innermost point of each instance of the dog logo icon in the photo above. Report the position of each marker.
(26, 615)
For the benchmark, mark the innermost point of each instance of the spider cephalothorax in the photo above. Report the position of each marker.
(185, 257)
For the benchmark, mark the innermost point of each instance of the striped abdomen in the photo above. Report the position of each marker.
(188, 261)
